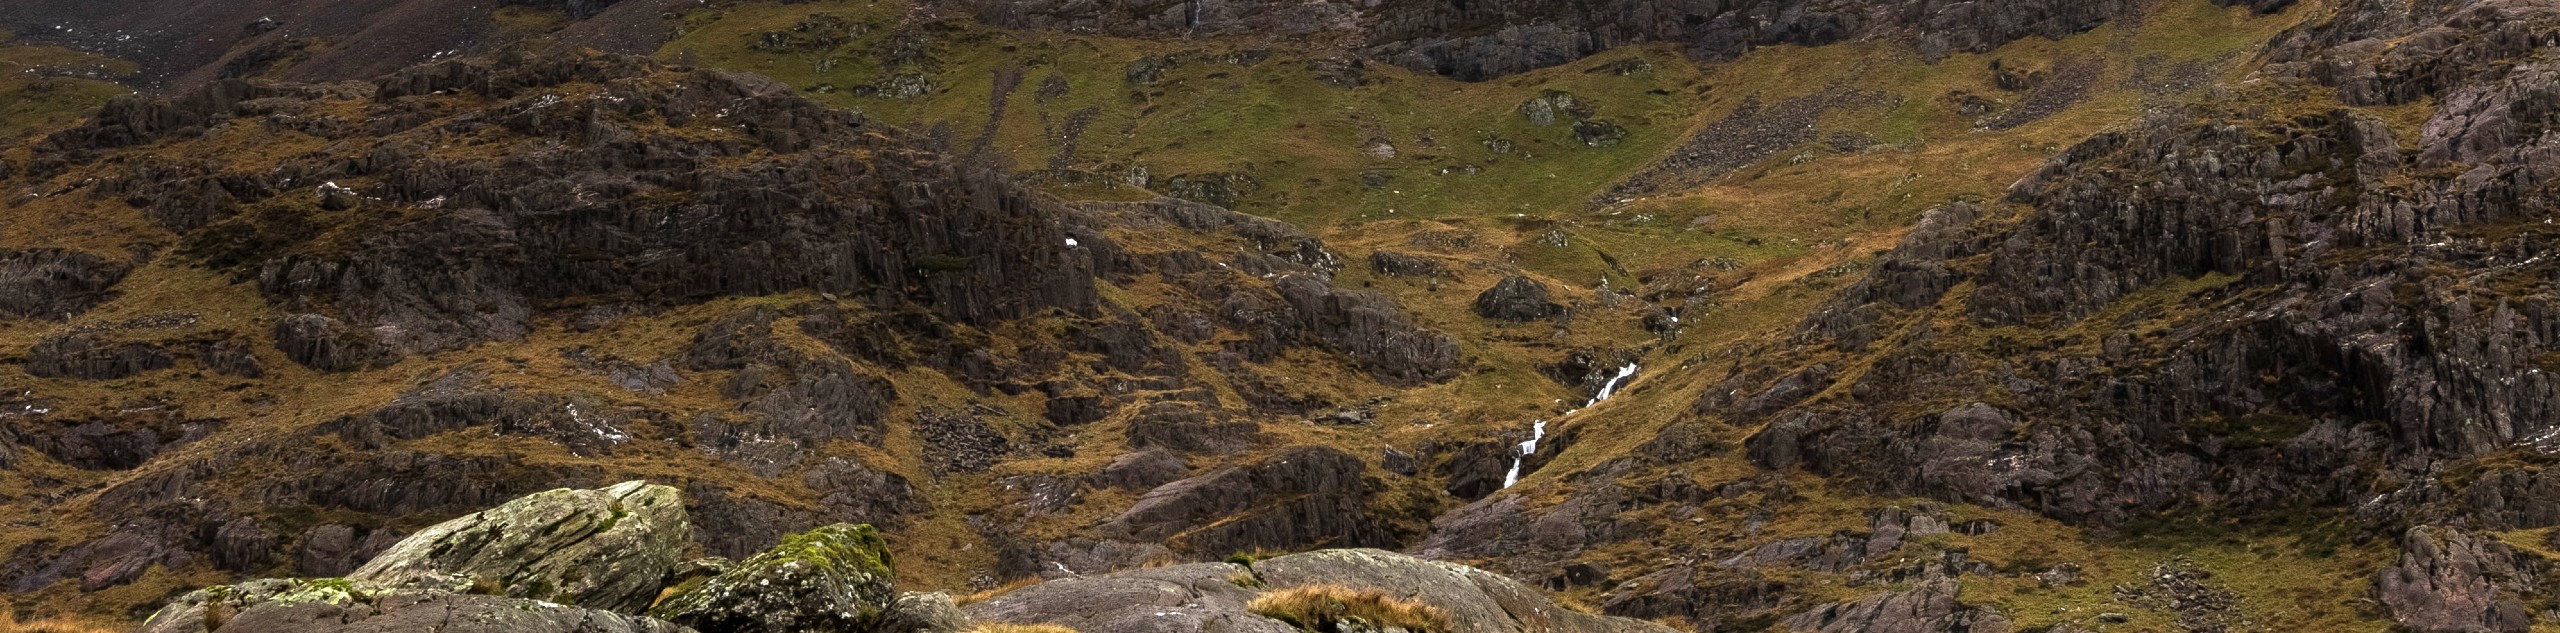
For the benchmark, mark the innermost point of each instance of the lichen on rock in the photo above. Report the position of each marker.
(834, 579)
(603, 549)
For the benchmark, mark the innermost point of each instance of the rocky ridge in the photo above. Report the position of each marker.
(834, 579)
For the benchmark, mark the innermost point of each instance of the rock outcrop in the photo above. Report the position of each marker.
(49, 283)
(834, 579)
(564, 561)
(1929, 607)
(1206, 597)
(606, 549)
(1305, 497)
(2451, 581)
(1517, 298)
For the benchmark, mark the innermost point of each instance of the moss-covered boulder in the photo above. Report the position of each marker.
(608, 549)
(834, 579)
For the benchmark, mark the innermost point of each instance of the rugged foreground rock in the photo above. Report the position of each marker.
(1206, 597)
(504, 570)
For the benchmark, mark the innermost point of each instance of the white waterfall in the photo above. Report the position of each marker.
(1538, 429)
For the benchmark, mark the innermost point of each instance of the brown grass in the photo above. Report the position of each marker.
(9, 624)
(1326, 607)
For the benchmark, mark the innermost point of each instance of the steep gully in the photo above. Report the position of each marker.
(1538, 428)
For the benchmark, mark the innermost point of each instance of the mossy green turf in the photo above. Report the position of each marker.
(1274, 119)
(45, 87)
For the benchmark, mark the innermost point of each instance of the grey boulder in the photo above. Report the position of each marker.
(608, 549)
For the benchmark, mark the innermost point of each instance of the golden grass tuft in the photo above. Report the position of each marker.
(1327, 607)
(9, 624)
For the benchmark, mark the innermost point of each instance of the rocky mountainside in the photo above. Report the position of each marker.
(185, 44)
(1486, 316)
(1476, 41)
(524, 203)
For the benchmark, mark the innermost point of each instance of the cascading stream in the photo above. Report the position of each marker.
(1538, 429)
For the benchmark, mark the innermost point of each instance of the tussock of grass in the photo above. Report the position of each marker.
(1324, 608)
(9, 624)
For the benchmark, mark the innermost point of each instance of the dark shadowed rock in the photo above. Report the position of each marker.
(1142, 470)
(54, 283)
(1309, 495)
(327, 344)
(89, 356)
(232, 357)
(243, 544)
(1184, 427)
(1395, 264)
(1929, 607)
(118, 558)
(1516, 298)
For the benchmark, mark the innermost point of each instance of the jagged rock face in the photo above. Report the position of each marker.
(327, 344)
(1207, 597)
(54, 283)
(1476, 41)
(2330, 337)
(1930, 607)
(465, 246)
(2452, 581)
(604, 549)
(1306, 496)
(87, 356)
(1913, 276)
(1301, 308)
(835, 579)
(459, 401)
